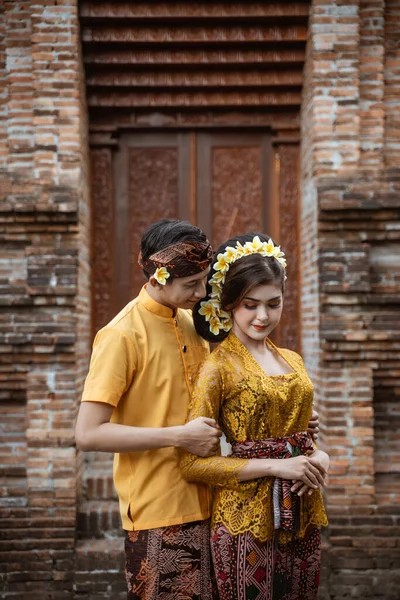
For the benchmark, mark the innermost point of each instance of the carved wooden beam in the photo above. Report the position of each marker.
(178, 10)
(193, 57)
(203, 35)
(249, 78)
(281, 119)
(177, 99)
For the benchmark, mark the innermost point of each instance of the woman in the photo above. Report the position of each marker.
(267, 512)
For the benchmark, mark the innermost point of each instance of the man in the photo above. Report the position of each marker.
(135, 404)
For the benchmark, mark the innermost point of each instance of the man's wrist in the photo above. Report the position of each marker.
(177, 436)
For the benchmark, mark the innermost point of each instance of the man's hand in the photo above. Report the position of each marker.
(200, 437)
(313, 425)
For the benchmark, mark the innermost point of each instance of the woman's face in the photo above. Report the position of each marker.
(258, 313)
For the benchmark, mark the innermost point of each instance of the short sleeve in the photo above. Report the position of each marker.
(112, 367)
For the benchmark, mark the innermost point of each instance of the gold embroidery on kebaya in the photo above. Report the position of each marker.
(248, 404)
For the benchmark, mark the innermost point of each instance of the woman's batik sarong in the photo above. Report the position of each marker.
(285, 567)
(247, 569)
(169, 563)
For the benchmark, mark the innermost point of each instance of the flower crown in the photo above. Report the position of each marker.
(211, 309)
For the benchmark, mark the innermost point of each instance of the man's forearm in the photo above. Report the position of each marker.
(112, 437)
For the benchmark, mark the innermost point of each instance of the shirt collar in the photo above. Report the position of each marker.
(153, 306)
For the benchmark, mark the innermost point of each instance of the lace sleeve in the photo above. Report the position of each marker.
(218, 471)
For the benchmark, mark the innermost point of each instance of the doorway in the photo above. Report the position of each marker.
(225, 182)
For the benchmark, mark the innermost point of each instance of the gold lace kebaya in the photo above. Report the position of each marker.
(248, 404)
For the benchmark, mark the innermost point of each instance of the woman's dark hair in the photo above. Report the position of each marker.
(167, 232)
(243, 275)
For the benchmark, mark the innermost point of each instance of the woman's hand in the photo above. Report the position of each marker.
(320, 459)
(301, 468)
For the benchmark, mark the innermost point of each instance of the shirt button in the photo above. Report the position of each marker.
(190, 379)
(183, 348)
(175, 322)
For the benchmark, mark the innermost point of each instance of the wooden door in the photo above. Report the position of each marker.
(226, 183)
(234, 184)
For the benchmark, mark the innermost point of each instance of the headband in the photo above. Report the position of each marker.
(179, 260)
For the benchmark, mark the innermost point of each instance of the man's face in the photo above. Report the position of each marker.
(182, 292)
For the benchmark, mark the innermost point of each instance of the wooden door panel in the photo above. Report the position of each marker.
(102, 219)
(151, 174)
(233, 184)
(287, 159)
(243, 184)
(227, 183)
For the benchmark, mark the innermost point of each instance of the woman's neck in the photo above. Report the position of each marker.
(253, 346)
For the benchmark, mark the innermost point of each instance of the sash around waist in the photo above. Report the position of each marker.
(282, 447)
(285, 502)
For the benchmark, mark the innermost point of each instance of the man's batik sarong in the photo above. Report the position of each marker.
(247, 569)
(169, 563)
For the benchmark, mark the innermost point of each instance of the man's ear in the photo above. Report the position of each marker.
(154, 283)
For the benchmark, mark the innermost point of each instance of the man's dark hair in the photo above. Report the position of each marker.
(167, 232)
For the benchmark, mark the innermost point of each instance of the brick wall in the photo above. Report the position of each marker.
(350, 282)
(45, 311)
(351, 245)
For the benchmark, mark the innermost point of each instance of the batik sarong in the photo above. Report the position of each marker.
(285, 567)
(169, 563)
(247, 569)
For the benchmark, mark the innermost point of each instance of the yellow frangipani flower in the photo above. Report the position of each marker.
(283, 262)
(218, 278)
(208, 309)
(215, 292)
(240, 250)
(268, 248)
(231, 254)
(227, 324)
(215, 325)
(255, 246)
(277, 253)
(161, 275)
(222, 264)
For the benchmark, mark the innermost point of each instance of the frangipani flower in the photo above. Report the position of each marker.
(215, 325)
(255, 246)
(208, 309)
(268, 248)
(240, 250)
(218, 278)
(222, 264)
(283, 262)
(215, 292)
(231, 254)
(227, 324)
(161, 275)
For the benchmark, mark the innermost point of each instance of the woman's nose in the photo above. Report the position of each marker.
(262, 313)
